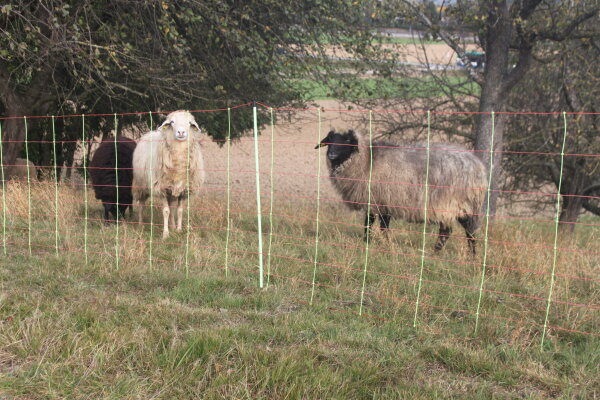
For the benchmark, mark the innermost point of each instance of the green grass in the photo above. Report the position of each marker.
(377, 88)
(74, 330)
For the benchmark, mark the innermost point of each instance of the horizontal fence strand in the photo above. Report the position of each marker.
(523, 274)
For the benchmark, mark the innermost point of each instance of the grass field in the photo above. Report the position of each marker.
(174, 330)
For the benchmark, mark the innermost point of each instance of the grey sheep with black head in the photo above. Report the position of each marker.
(457, 182)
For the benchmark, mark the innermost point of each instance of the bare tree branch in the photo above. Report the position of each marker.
(591, 189)
(591, 207)
(559, 36)
(521, 68)
(447, 38)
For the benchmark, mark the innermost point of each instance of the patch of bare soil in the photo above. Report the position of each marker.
(295, 161)
(291, 155)
(292, 158)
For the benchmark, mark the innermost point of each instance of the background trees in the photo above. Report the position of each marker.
(511, 34)
(74, 57)
(87, 56)
(565, 78)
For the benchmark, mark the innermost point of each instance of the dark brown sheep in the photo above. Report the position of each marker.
(107, 169)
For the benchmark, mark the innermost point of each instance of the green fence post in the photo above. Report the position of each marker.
(3, 194)
(312, 291)
(188, 229)
(85, 188)
(28, 186)
(487, 224)
(258, 206)
(228, 191)
(150, 259)
(117, 197)
(555, 251)
(271, 201)
(364, 278)
(55, 187)
(425, 205)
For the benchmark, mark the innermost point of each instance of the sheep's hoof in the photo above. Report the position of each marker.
(165, 235)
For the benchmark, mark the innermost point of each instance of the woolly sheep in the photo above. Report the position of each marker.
(457, 182)
(106, 171)
(160, 166)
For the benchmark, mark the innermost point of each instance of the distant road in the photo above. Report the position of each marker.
(409, 34)
(401, 33)
(415, 65)
(415, 55)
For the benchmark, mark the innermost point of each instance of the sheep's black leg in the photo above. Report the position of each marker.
(466, 223)
(369, 220)
(443, 236)
(384, 222)
(122, 209)
(107, 212)
(115, 210)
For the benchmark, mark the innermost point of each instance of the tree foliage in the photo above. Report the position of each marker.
(100, 56)
(511, 34)
(567, 79)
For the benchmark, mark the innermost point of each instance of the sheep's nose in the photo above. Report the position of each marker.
(331, 156)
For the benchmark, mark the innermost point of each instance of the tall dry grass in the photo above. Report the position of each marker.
(515, 290)
(176, 329)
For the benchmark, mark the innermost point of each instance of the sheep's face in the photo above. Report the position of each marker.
(179, 125)
(340, 146)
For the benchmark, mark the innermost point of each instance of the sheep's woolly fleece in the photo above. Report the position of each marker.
(160, 160)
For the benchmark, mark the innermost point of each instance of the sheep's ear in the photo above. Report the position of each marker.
(325, 141)
(167, 122)
(195, 125)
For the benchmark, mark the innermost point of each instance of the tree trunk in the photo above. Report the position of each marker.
(35, 100)
(483, 142)
(493, 95)
(13, 136)
(569, 213)
(571, 199)
(44, 157)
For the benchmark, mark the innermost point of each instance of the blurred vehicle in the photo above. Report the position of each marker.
(475, 58)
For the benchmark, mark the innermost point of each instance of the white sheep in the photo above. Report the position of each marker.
(160, 166)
